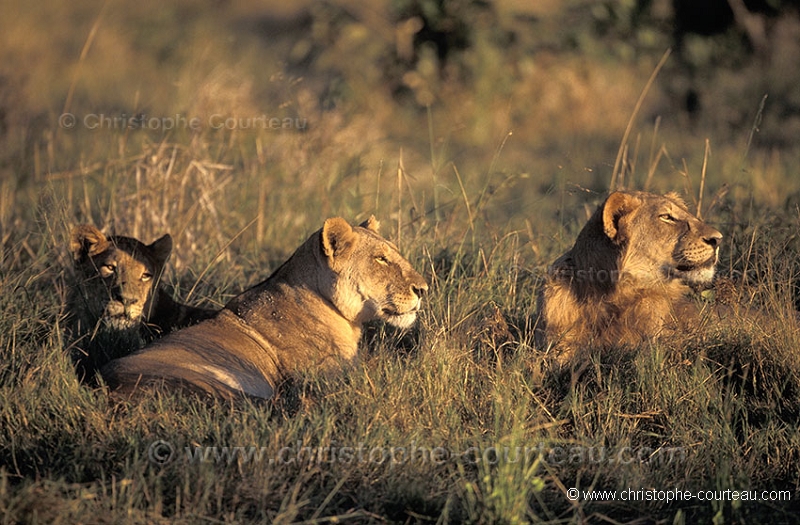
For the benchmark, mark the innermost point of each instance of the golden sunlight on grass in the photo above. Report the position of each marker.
(482, 136)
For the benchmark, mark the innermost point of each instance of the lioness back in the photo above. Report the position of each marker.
(114, 304)
(627, 277)
(307, 316)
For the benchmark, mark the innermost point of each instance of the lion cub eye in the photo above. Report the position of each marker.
(381, 259)
(146, 276)
(668, 218)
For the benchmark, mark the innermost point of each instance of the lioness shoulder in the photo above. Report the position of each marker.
(628, 275)
(114, 302)
(307, 316)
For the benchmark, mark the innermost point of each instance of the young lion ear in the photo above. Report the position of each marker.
(615, 208)
(371, 224)
(337, 238)
(161, 248)
(86, 241)
(677, 198)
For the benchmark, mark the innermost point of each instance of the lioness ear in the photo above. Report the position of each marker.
(372, 224)
(86, 241)
(615, 208)
(162, 247)
(337, 237)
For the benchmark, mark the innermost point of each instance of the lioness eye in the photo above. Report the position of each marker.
(382, 259)
(666, 217)
(146, 276)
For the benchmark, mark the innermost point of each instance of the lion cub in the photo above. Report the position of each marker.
(628, 275)
(114, 304)
(307, 316)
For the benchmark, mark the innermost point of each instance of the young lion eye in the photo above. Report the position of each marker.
(381, 259)
(668, 218)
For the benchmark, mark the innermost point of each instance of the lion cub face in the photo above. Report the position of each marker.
(373, 281)
(663, 241)
(116, 276)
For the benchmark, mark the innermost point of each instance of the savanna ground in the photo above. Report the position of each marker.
(481, 136)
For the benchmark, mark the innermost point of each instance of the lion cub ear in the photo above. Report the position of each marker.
(372, 224)
(86, 241)
(161, 248)
(338, 238)
(617, 206)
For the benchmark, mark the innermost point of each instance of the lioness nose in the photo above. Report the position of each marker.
(713, 239)
(419, 289)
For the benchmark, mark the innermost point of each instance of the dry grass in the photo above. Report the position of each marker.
(481, 191)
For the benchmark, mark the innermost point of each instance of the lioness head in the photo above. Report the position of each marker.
(369, 278)
(305, 317)
(116, 275)
(659, 238)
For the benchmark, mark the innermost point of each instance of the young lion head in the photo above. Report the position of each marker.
(115, 277)
(114, 303)
(368, 278)
(628, 272)
(658, 239)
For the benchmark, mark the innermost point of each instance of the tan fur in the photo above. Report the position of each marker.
(306, 316)
(114, 301)
(627, 277)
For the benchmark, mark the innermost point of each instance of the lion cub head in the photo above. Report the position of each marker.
(116, 277)
(368, 278)
(628, 273)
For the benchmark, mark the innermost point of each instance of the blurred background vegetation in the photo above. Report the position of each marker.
(523, 98)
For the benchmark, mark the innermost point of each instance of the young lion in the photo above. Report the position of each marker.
(306, 316)
(627, 277)
(113, 303)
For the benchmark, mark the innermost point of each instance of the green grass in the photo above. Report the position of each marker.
(715, 411)
(458, 420)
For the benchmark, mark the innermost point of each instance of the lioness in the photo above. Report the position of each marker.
(306, 316)
(628, 274)
(114, 304)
